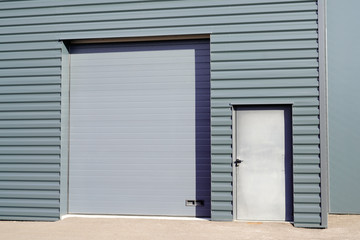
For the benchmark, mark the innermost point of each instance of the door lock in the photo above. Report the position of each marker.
(237, 162)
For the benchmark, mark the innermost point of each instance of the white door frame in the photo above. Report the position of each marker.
(287, 107)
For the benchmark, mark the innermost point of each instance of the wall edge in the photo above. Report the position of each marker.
(323, 98)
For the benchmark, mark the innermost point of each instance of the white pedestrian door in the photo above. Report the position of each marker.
(260, 183)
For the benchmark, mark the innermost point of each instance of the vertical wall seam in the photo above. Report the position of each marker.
(324, 149)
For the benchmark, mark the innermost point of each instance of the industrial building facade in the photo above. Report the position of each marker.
(168, 108)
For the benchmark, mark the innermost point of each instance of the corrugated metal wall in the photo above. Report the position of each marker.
(262, 51)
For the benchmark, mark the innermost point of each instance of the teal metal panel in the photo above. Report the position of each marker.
(29, 185)
(29, 203)
(30, 168)
(28, 212)
(29, 159)
(309, 198)
(306, 168)
(37, 176)
(29, 194)
(262, 52)
(29, 130)
(344, 113)
(30, 55)
(135, 6)
(8, 47)
(307, 219)
(50, 62)
(33, 97)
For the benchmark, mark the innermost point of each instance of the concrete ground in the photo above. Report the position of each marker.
(340, 227)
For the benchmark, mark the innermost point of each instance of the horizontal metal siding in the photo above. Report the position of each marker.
(262, 51)
(29, 132)
(268, 66)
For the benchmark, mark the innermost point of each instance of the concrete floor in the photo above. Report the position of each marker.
(340, 227)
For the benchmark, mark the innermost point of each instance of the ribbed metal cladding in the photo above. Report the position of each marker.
(262, 51)
(30, 131)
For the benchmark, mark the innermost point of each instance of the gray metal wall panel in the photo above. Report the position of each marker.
(278, 32)
(344, 113)
(30, 131)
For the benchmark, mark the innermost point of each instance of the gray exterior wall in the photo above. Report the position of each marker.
(262, 52)
(344, 112)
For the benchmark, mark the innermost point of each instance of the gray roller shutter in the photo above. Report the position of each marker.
(140, 128)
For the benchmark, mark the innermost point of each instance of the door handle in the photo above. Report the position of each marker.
(237, 162)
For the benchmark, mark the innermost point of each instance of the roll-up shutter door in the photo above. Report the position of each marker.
(140, 128)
